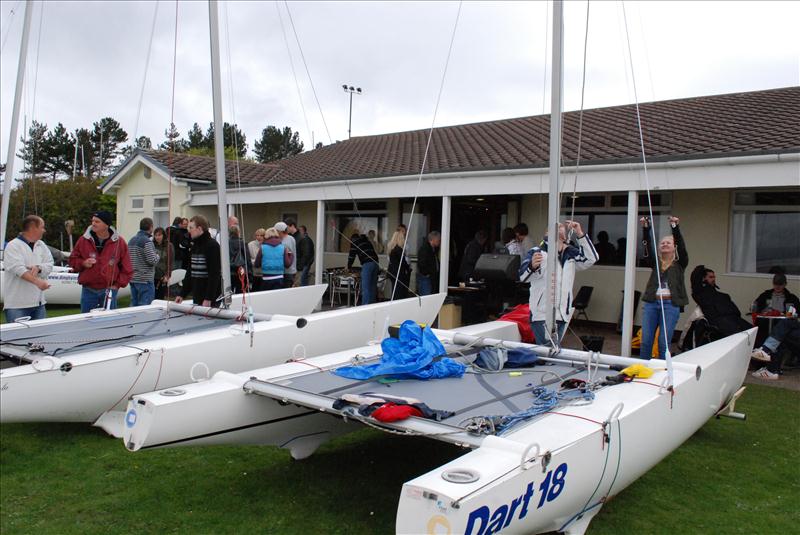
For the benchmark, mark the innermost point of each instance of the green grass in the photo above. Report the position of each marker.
(730, 477)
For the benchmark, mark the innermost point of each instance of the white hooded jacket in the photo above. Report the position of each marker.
(571, 259)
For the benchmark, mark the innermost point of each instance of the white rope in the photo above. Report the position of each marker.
(8, 26)
(657, 266)
(428, 146)
(294, 73)
(144, 77)
(305, 64)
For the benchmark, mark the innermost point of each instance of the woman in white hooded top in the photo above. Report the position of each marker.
(571, 258)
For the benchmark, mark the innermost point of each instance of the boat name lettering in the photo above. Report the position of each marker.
(484, 521)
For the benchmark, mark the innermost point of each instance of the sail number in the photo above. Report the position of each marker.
(484, 521)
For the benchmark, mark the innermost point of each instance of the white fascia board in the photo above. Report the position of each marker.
(775, 170)
(122, 173)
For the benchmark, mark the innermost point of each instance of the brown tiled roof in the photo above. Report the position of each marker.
(204, 168)
(738, 124)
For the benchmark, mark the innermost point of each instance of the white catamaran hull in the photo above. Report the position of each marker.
(555, 472)
(552, 473)
(95, 385)
(217, 412)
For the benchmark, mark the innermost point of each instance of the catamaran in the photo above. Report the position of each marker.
(84, 369)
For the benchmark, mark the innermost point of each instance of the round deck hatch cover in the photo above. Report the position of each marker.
(172, 392)
(461, 475)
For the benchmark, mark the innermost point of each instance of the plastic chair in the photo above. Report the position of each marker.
(582, 301)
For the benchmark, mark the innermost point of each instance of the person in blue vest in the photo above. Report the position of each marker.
(273, 257)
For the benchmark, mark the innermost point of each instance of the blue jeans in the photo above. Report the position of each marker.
(142, 293)
(304, 276)
(91, 299)
(539, 328)
(424, 284)
(369, 283)
(35, 313)
(651, 320)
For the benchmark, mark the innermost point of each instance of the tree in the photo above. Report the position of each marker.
(276, 144)
(232, 136)
(107, 140)
(85, 160)
(230, 153)
(174, 142)
(318, 145)
(196, 137)
(58, 201)
(61, 152)
(34, 150)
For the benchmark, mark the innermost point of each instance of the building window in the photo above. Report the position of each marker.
(161, 212)
(764, 233)
(137, 204)
(604, 219)
(344, 219)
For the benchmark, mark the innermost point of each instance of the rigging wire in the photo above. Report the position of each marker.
(237, 176)
(428, 144)
(171, 152)
(291, 64)
(305, 64)
(657, 266)
(144, 77)
(8, 26)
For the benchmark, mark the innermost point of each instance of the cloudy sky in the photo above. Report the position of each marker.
(87, 60)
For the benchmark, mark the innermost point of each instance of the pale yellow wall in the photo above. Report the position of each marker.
(135, 184)
(705, 222)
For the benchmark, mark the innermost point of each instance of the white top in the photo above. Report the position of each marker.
(289, 243)
(17, 259)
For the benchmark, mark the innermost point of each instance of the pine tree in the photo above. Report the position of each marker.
(107, 138)
(239, 142)
(174, 142)
(34, 150)
(196, 138)
(61, 152)
(276, 144)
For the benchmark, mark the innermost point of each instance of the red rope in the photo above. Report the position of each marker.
(303, 361)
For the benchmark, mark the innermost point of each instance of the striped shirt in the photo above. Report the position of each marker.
(143, 257)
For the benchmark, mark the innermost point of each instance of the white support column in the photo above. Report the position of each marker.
(444, 250)
(319, 254)
(628, 312)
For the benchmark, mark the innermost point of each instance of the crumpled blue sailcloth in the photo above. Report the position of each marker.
(409, 356)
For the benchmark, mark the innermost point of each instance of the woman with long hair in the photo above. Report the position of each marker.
(166, 261)
(670, 296)
(399, 269)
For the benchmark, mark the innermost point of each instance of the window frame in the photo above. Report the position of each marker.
(733, 208)
(132, 208)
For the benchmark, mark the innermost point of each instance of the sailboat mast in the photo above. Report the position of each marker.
(219, 146)
(557, 85)
(12, 139)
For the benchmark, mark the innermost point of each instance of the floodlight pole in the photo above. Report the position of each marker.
(350, 89)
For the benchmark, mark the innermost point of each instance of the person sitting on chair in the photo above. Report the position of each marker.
(776, 300)
(718, 308)
(785, 334)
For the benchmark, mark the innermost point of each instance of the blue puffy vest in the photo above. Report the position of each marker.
(272, 259)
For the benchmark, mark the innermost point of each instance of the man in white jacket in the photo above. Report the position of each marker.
(27, 262)
(571, 258)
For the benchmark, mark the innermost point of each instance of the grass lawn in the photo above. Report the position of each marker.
(730, 477)
(54, 311)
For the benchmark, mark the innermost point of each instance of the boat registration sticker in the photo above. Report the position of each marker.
(130, 418)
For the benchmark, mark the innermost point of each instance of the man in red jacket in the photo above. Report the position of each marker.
(101, 258)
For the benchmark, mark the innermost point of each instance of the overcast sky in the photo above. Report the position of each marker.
(92, 57)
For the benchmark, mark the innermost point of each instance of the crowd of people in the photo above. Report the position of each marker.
(106, 262)
(281, 257)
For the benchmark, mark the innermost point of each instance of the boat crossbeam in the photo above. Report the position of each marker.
(412, 426)
(563, 353)
(222, 313)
